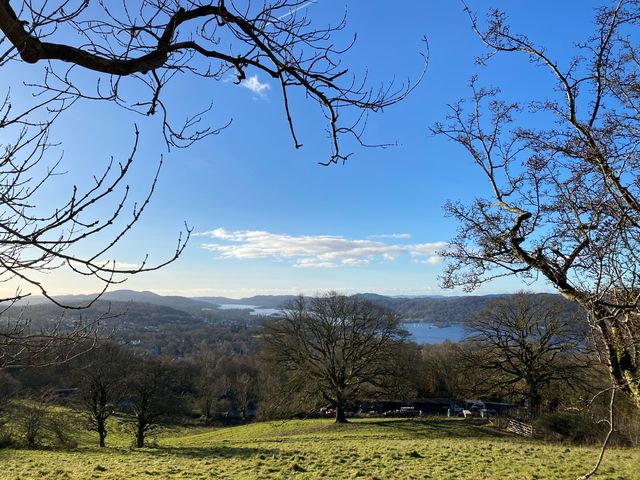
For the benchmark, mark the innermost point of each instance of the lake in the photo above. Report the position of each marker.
(255, 310)
(422, 333)
(426, 333)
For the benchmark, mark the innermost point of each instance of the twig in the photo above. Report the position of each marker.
(607, 438)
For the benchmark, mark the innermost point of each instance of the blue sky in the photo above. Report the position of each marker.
(268, 218)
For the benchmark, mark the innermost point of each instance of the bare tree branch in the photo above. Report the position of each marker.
(153, 41)
(565, 198)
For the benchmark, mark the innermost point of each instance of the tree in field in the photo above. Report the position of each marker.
(336, 348)
(523, 344)
(75, 52)
(564, 197)
(150, 395)
(210, 382)
(102, 375)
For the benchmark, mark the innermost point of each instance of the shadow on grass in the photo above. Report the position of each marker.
(215, 451)
(438, 428)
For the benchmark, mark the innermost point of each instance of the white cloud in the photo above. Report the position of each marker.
(395, 236)
(255, 85)
(313, 263)
(435, 260)
(356, 261)
(314, 251)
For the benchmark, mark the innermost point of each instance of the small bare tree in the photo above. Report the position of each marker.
(31, 418)
(150, 395)
(564, 200)
(102, 377)
(336, 347)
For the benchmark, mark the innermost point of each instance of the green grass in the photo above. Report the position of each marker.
(366, 449)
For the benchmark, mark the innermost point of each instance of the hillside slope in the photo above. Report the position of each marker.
(369, 449)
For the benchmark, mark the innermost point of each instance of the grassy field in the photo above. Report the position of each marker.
(366, 449)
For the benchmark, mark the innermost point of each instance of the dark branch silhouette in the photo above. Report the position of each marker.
(155, 41)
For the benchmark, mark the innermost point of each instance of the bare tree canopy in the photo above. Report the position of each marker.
(101, 378)
(522, 344)
(564, 199)
(336, 347)
(26, 343)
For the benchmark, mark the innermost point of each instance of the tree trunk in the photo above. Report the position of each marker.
(340, 414)
(102, 432)
(622, 357)
(620, 339)
(535, 401)
(140, 433)
(207, 408)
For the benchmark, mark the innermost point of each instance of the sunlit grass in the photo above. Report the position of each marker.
(375, 449)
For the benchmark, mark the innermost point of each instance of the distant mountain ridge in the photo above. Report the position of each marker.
(263, 301)
(437, 310)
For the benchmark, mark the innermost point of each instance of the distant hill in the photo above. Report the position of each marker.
(444, 311)
(435, 310)
(131, 296)
(158, 309)
(263, 301)
(131, 311)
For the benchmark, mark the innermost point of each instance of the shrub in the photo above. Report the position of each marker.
(570, 426)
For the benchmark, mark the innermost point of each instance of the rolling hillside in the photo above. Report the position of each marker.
(312, 449)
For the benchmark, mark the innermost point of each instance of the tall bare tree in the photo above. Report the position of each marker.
(564, 200)
(336, 347)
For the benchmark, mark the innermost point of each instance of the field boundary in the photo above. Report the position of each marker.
(520, 428)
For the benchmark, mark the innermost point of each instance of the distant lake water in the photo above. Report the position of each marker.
(255, 310)
(426, 333)
(420, 332)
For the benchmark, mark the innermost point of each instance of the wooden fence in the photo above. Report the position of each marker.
(520, 428)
